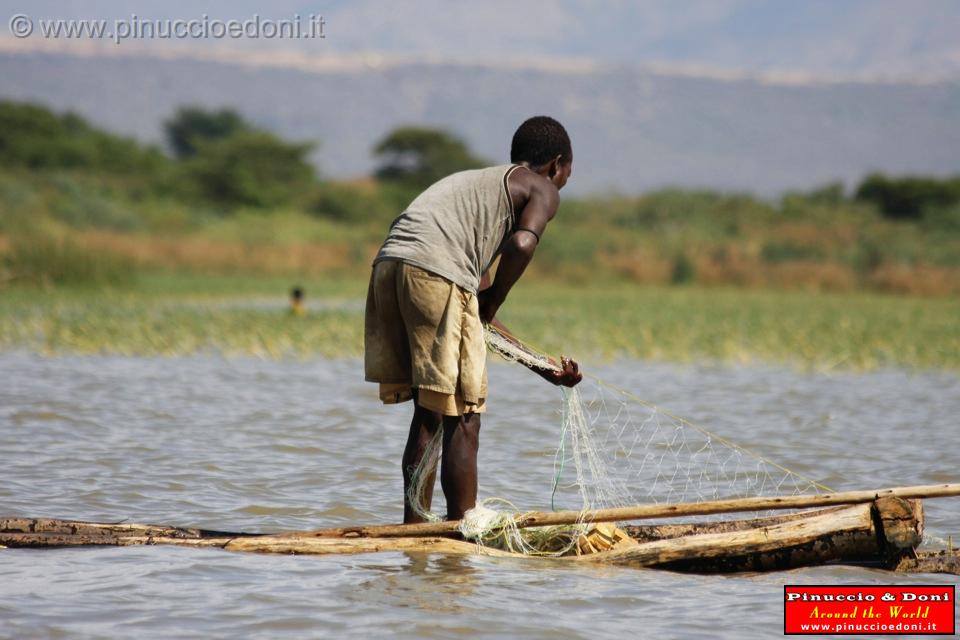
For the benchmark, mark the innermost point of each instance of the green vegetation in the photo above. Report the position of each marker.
(34, 138)
(910, 197)
(231, 163)
(418, 157)
(169, 315)
(191, 127)
(820, 331)
(49, 260)
(252, 169)
(109, 245)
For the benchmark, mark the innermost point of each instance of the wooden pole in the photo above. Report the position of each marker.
(641, 512)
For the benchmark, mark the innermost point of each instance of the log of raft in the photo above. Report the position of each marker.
(881, 533)
(878, 533)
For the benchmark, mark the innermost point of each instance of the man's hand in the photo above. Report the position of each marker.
(568, 376)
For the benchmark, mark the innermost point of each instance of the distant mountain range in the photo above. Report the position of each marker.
(877, 37)
(633, 127)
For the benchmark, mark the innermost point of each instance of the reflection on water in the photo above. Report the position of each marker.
(430, 583)
(258, 446)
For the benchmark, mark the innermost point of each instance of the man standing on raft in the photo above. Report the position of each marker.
(430, 294)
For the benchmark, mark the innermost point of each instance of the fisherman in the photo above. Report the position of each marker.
(431, 293)
(297, 306)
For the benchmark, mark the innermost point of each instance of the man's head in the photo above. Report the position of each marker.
(543, 145)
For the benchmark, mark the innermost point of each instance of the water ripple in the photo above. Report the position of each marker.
(250, 445)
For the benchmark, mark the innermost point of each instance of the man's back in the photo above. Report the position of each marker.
(456, 227)
(423, 327)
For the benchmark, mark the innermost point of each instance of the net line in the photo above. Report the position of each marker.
(625, 450)
(615, 450)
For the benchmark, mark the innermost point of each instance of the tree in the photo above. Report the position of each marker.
(419, 156)
(909, 197)
(193, 126)
(35, 137)
(251, 168)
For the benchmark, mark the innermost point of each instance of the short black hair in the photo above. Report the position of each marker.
(539, 140)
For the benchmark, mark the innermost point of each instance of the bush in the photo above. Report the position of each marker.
(825, 203)
(36, 138)
(419, 156)
(84, 204)
(832, 193)
(253, 169)
(908, 198)
(563, 248)
(711, 214)
(778, 251)
(683, 270)
(943, 218)
(193, 126)
(353, 204)
(867, 255)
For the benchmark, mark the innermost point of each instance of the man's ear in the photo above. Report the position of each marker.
(554, 167)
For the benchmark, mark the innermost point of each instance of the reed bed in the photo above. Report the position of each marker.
(173, 314)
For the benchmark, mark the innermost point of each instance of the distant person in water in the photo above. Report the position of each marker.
(297, 307)
(430, 294)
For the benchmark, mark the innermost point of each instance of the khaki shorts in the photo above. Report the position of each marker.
(424, 332)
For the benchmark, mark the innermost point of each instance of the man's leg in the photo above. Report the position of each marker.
(458, 471)
(422, 429)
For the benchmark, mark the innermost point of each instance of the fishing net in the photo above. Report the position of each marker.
(618, 450)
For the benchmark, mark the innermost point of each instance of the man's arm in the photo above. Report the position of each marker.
(485, 283)
(540, 208)
(567, 372)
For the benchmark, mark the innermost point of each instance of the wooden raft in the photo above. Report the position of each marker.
(881, 533)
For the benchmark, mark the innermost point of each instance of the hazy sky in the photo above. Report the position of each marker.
(817, 36)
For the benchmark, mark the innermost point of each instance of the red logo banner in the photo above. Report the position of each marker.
(869, 610)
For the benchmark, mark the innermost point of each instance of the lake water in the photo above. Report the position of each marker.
(251, 445)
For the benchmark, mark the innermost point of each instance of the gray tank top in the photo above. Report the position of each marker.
(457, 227)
